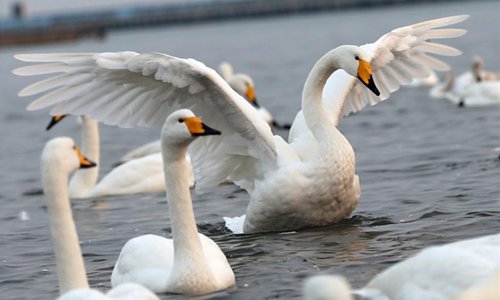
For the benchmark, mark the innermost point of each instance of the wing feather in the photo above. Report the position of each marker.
(396, 59)
(131, 89)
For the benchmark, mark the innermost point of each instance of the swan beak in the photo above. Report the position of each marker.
(84, 162)
(54, 121)
(197, 128)
(365, 75)
(250, 94)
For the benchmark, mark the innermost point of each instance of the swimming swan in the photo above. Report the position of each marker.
(451, 271)
(137, 176)
(309, 181)
(190, 263)
(59, 158)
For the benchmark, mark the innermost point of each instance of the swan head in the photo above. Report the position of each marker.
(245, 86)
(356, 62)
(182, 127)
(327, 287)
(64, 153)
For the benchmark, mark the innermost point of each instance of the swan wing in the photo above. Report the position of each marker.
(397, 58)
(131, 89)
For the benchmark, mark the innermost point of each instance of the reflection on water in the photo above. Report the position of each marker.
(427, 169)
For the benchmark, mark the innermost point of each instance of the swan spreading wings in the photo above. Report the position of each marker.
(309, 181)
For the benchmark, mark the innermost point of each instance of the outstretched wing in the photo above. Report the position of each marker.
(396, 59)
(131, 89)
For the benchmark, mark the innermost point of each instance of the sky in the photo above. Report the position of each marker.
(43, 7)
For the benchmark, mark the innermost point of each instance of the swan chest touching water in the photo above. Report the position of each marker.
(325, 186)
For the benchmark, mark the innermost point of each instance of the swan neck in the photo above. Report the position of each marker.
(312, 102)
(187, 244)
(69, 261)
(84, 180)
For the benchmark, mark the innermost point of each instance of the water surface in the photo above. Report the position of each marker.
(427, 169)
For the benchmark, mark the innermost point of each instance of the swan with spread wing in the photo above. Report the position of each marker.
(309, 181)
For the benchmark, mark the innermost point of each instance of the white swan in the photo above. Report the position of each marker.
(483, 93)
(470, 85)
(307, 182)
(191, 263)
(136, 176)
(443, 272)
(244, 85)
(59, 158)
(471, 94)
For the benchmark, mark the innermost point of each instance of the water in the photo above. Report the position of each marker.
(427, 169)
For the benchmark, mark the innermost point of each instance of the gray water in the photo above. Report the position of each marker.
(427, 169)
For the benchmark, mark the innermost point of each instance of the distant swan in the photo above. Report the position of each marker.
(244, 85)
(190, 263)
(137, 176)
(309, 181)
(471, 89)
(451, 271)
(59, 158)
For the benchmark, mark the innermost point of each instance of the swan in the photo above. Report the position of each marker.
(59, 158)
(141, 175)
(190, 263)
(244, 85)
(483, 93)
(478, 92)
(309, 181)
(456, 87)
(450, 271)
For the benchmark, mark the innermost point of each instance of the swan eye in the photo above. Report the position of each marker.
(181, 120)
(74, 147)
(356, 57)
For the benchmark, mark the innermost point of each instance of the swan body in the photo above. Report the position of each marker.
(484, 93)
(190, 263)
(476, 87)
(435, 273)
(59, 158)
(305, 182)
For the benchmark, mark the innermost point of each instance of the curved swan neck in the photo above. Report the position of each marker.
(69, 261)
(188, 251)
(84, 180)
(312, 103)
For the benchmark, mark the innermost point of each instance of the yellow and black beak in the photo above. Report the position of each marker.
(250, 94)
(365, 75)
(197, 128)
(54, 121)
(84, 162)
